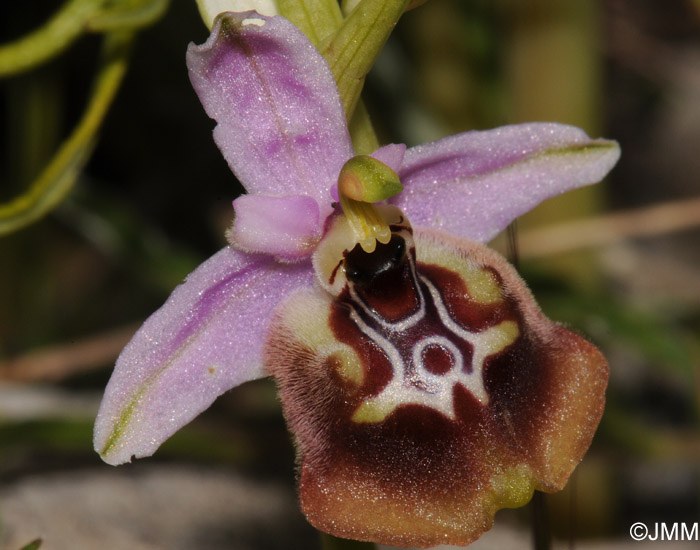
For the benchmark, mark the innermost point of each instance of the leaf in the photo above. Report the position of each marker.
(129, 14)
(317, 19)
(60, 175)
(49, 40)
(352, 51)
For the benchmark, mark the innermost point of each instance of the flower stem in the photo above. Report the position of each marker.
(541, 532)
(364, 139)
(317, 19)
(329, 542)
(320, 20)
(352, 51)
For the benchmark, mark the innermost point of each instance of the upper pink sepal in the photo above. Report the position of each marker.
(206, 339)
(285, 227)
(474, 184)
(280, 123)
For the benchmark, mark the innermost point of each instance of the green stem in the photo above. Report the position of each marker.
(354, 48)
(129, 16)
(50, 39)
(347, 6)
(59, 177)
(34, 545)
(317, 19)
(329, 542)
(364, 139)
(541, 532)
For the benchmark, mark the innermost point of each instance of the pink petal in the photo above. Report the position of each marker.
(392, 155)
(205, 340)
(281, 125)
(286, 227)
(474, 184)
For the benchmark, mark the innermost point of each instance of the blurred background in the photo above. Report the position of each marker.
(619, 262)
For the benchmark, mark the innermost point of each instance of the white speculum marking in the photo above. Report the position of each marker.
(413, 382)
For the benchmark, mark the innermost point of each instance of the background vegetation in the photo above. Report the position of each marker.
(619, 262)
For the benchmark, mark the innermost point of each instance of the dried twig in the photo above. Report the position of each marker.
(610, 229)
(63, 360)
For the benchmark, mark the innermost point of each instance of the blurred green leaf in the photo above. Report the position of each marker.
(59, 177)
(610, 320)
(118, 19)
(696, 3)
(134, 243)
(128, 14)
(60, 434)
(75, 435)
(34, 545)
(624, 431)
(49, 40)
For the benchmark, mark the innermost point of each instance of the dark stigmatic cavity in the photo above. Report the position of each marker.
(363, 268)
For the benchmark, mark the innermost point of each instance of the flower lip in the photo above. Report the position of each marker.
(415, 424)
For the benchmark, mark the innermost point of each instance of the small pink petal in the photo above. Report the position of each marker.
(474, 184)
(205, 340)
(281, 125)
(286, 227)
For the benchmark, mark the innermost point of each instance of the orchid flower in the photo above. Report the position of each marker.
(423, 386)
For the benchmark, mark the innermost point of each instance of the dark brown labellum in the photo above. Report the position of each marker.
(429, 392)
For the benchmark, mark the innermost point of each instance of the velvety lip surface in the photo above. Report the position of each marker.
(421, 469)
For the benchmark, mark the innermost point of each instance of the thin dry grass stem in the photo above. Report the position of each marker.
(61, 361)
(610, 228)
